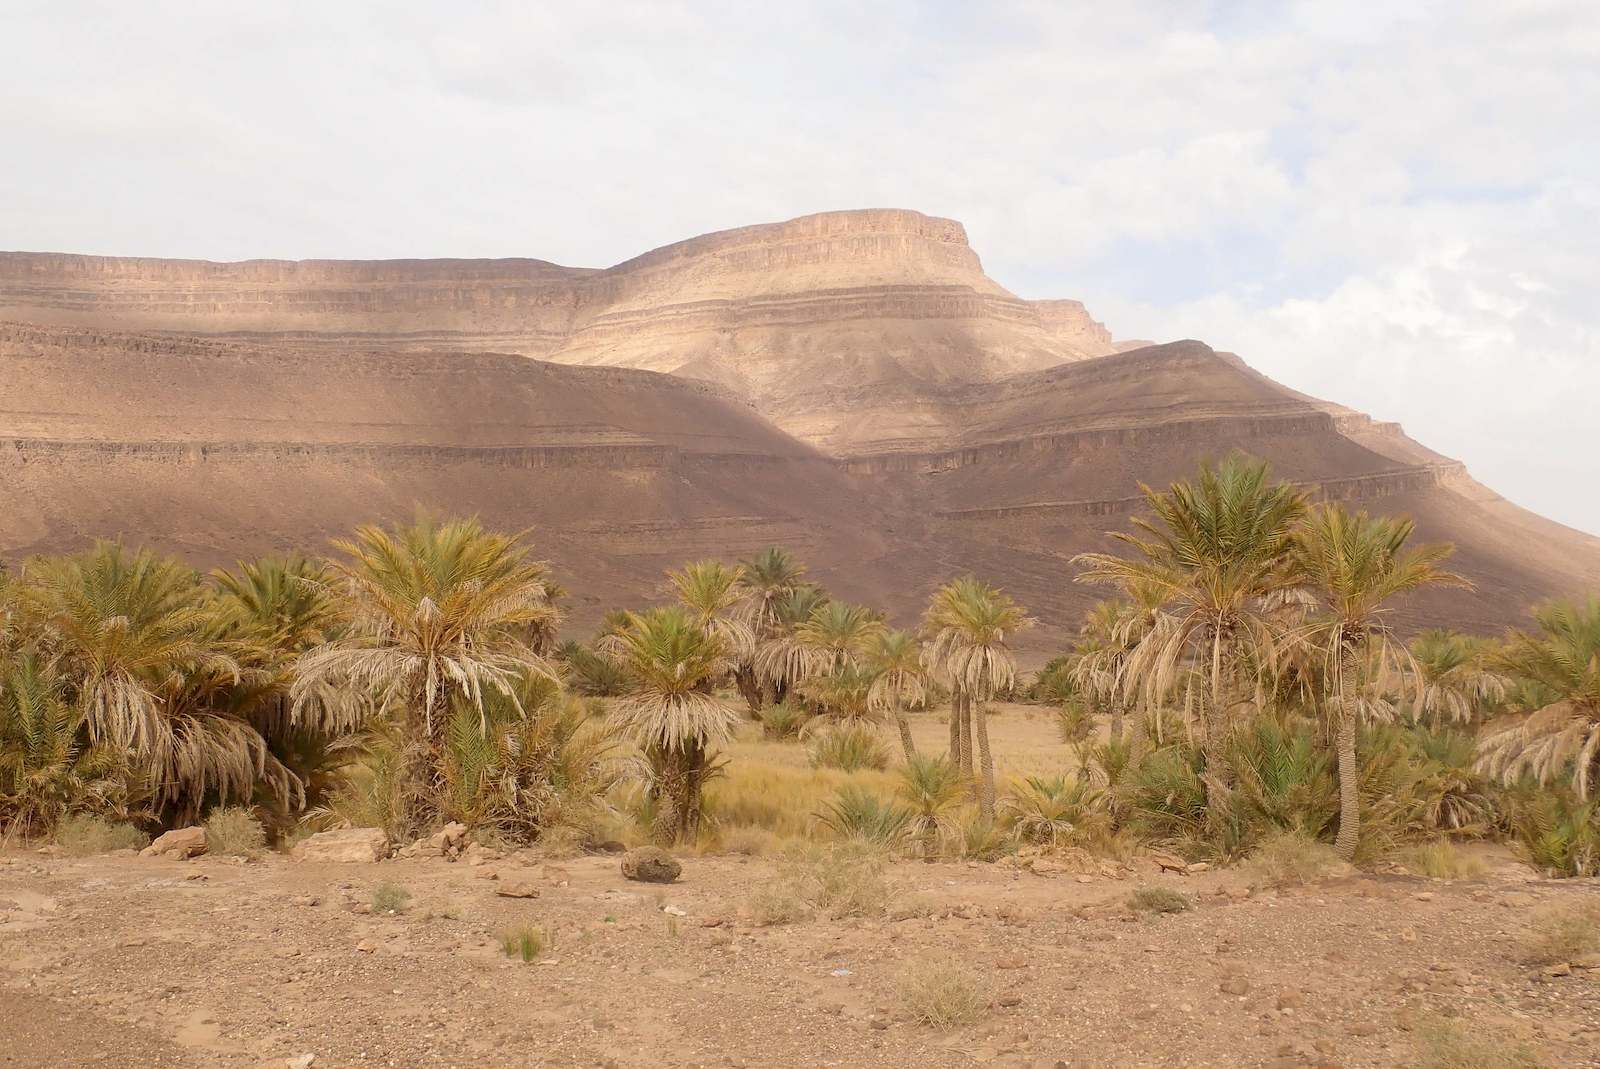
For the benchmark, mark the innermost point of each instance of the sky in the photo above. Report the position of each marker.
(1393, 206)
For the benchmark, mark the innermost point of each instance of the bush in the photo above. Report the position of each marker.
(390, 898)
(82, 834)
(849, 749)
(782, 722)
(1056, 811)
(857, 813)
(934, 789)
(525, 942)
(836, 882)
(980, 841)
(1560, 835)
(234, 832)
(943, 993)
(1158, 900)
(1563, 933)
(1441, 861)
(592, 673)
(1442, 1045)
(1291, 859)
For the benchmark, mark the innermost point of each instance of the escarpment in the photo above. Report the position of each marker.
(851, 385)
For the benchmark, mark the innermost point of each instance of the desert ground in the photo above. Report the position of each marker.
(122, 960)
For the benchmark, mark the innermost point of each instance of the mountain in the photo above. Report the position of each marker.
(849, 384)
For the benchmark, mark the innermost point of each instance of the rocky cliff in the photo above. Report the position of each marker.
(851, 384)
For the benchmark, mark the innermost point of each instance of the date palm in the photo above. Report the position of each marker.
(1557, 735)
(783, 659)
(895, 658)
(430, 612)
(766, 581)
(671, 713)
(969, 623)
(1355, 565)
(1455, 680)
(1214, 554)
(711, 591)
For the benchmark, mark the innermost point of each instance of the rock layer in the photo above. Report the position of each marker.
(850, 384)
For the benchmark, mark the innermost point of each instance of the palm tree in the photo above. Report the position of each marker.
(1557, 736)
(430, 612)
(711, 591)
(765, 581)
(136, 639)
(1354, 565)
(1455, 681)
(1214, 555)
(895, 657)
(671, 713)
(969, 622)
(783, 660)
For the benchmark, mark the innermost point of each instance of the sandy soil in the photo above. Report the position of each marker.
(125, 961)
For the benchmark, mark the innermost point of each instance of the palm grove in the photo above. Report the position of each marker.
(1242, 679)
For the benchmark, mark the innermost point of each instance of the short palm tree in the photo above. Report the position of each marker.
(895, 658)
(766, 580)
(1354, 564)
(1456, 682)
(969, 623)
(782, 658)
(1557, 735)
(671, 713)
(711, 590)
(1215, 554)
(430, 612)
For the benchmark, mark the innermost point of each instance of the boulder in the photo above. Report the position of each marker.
(179, 843)
(346, 846)
(650, 864)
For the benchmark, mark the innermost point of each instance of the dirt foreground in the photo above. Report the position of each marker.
(128, 961)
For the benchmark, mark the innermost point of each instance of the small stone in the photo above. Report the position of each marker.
(1555, 972)
(1234, 985)
(1408, 935)
(711, 922)
(364, 947)
(517, 889)
(1008, 1001)
(650, 864)
(674, 911)
(300, 1061)
(1423, 896)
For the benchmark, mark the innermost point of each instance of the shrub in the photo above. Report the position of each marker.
(782, 722)
(837, 881)
(1562, 933)
(1560, 835)
(390, 898)
(1056, 811)
(234, 832)
(525, 942)
(981, 841)
(750, 842)
(857, 813)
(1158, 900)
(1441, 861)
(592, 673)
(934, 789)
(1442, 1045)
(82, 834)
(943, 993)
(849, 748)
(1289, 858)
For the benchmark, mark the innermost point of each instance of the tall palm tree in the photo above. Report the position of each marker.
(766, 580)
(671, 713)
(1215, 554)
(1456, 682)
(711, 591)
(895, 657)
(431, 611)
(1354, 565)
(1557, 735)
(968, 623)
(1111, 632)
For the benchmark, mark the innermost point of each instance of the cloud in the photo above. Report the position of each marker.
(1393, 206)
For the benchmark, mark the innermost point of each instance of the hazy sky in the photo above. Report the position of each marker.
(1396, 206)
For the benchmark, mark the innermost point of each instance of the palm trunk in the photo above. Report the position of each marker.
(744, 677)
(1116, 717)
(670, 809)
(904, 725)
(986, 762)
(966, 735)
(1349, 773)
(955, 729)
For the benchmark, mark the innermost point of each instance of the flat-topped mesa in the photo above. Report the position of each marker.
(783, 313)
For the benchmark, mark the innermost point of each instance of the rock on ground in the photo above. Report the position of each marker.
(350, 846)
(650, 864)
(179, 843)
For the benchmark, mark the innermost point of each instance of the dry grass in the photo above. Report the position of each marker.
(943, 993)
(525, 941)
(1442, 1045)
(834, 881)
(390, 898)
(1290, 859)
(1559, 934)
(1442, 860)
(234, 832)
(80, 835)
(1158, 900)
